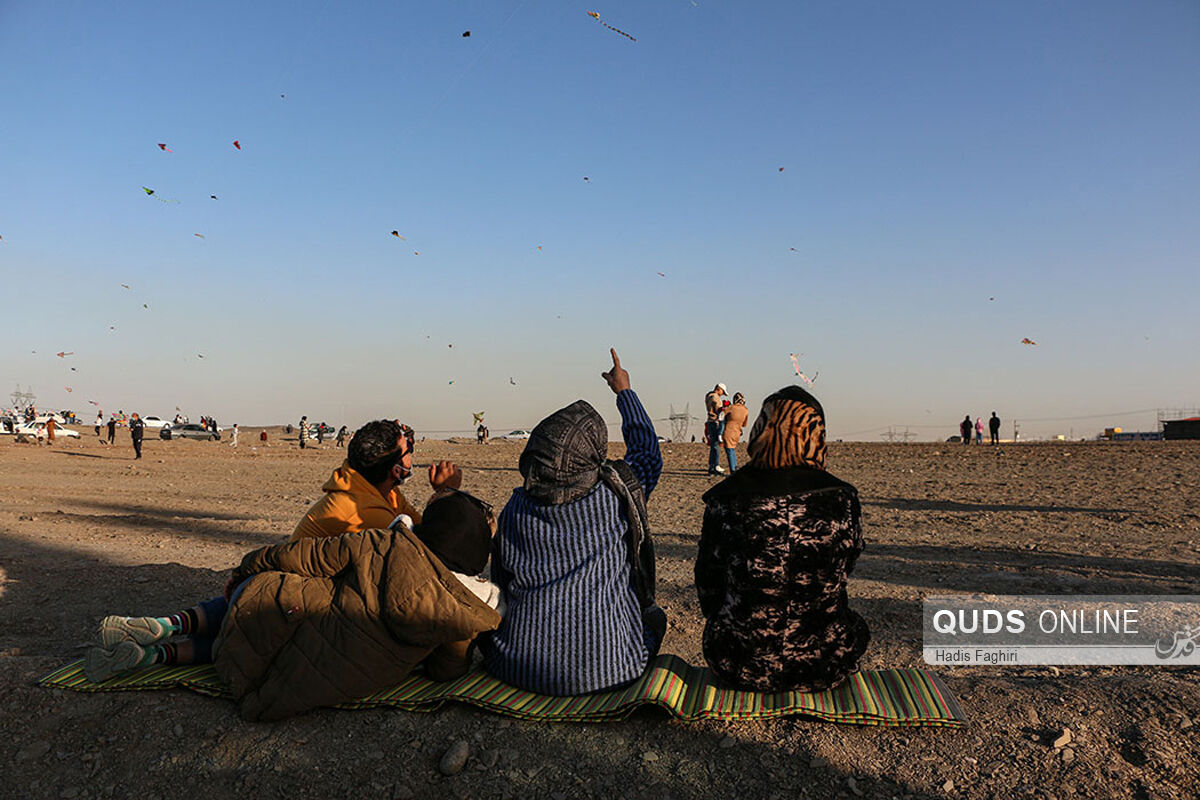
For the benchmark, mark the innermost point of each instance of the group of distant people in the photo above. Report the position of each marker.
(966, 426)
(320, 430)
(369, 587)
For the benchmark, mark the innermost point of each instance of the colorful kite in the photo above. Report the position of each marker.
(1028, 341)
(68, 388)
(596, 17)
(781, 169)
(201, 235)
(147, 190)
(237, 144)
(150, 193)
(416, 252)
(398, 236)
(661, 274)
(586, 179)
(539, 248)
(451, 383)
(478, 415)
(163, 147)
(64, 353)
(93, 402)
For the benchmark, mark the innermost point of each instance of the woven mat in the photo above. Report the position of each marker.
(892, 697)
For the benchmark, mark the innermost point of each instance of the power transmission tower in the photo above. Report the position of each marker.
(21, 399)
(680, 422)
(907, 435)
(890, 435)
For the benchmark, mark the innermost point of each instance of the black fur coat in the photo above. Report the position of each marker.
(775, 550)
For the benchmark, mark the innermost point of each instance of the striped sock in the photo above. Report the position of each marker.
(162, 653)
(183, 623)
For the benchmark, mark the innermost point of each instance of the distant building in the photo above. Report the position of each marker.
(1182, 428)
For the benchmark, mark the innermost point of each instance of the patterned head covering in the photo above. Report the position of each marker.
(562, 460)
(789, 431)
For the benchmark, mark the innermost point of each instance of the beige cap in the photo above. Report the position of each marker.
(721, 386)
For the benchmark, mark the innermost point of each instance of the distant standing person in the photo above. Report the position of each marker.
(234, 435)
(51, 427)
(964, 429)
(979, 430)
(994, 428)
(99, 423)
(736, 416)
(112, 429)
(303, 432)
(341, 436)
(712, 427)
(136, 429)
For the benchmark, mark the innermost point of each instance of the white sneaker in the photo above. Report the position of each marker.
(720, 469)
(142, 630)
(100, 664)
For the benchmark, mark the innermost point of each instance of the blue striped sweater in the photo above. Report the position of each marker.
(573, 624)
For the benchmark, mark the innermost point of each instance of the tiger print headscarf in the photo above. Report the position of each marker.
(789, 431)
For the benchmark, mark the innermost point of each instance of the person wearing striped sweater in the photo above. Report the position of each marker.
(573, 555)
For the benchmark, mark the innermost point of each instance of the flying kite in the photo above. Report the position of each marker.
(539, 248)
(781, 169)
(398, 236)
(478, 415)
(451, 383)
(416, 252)
(213, 196)
(510, 380)
(1028, 341)
(200, 355)
(466, 35)
(596, 17)
(201, 235)
(68, 388)
(150, 192)
(661, 274)
(163, 147)
(145, 306)
(147, 190)
(991, 299)
(74, 370)
(93, 402)
(64, 353)
(237, 144)
(585, 179)
(800, 373)
(124, 285)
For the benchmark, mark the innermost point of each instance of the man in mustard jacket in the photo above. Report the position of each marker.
(364, 492)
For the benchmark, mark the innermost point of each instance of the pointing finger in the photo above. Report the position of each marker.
(615, 358)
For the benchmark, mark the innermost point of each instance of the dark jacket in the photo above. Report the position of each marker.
(775, 549)
(325, 621)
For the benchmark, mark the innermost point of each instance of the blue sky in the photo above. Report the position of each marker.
(935, 156)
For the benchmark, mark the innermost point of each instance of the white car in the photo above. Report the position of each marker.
(32, 428)
(156, 423)
(519, 434)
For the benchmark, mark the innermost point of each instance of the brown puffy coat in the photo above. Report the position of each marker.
(324, 621)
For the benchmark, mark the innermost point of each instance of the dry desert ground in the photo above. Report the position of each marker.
(85, 531)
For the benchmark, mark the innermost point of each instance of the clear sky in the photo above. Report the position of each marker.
(955, 177)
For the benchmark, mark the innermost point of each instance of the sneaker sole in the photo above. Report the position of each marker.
(100, 664)
(140, 630)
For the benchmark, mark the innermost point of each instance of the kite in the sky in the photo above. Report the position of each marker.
(1028, 341)
(466, 35)
(163, 147)
(416, 252)
(478, 415)
(398, 236)
(147, 190)
(145, 306)
(585, 179)
(991, 299)
(237, 144)
(451, 383)
(124, 285)
(201, 235)
(781, 169)
(596, 17)
(449, 345)
(74, 370)
(200, 355)
(792, 249)
(65, 353)
(150, 193)
(213, 196)
(661, 274)
(93, 402)
(539, 248)
(800, 373)
(68, 388)
(510, 380)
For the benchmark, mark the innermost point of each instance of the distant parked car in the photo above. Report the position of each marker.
(156, 423)
(189, 431)
(32, 428)
(518, 434)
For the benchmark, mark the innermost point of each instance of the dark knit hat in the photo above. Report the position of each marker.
(455, 528)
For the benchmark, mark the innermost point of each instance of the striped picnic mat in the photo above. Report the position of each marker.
(893, 697)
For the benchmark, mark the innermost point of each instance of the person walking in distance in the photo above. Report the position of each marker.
(964, 429)
(994, 428)
(51, 427)
(303, 432)
(112, 429)
(136, 429)
(99, 422)
(979, 430)
(234, 435)
(712, 427)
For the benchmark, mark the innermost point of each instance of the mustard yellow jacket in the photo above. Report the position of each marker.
(351, 504)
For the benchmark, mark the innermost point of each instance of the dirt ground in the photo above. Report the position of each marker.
(85, 531)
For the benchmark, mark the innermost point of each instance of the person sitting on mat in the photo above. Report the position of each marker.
(364, 492)
(778, 539)
(573, 555)
(327, 620)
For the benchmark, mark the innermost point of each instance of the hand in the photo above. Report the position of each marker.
(617, 377)
(444, 475)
